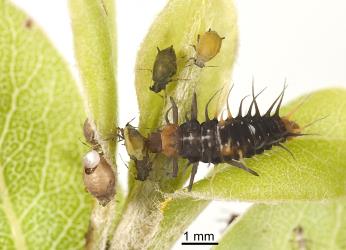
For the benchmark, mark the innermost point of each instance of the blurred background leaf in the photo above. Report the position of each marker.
(42, 201)
(272, 227)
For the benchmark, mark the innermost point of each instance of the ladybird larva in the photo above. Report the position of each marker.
(222, 141)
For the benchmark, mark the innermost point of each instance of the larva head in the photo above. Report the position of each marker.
(291, 126)
(134, 142)
(99, 178)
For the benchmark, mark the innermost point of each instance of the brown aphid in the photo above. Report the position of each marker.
(165, 66)
(208, 45)
(89, 133)
(28, 23)
(99, 178)
(299, 239)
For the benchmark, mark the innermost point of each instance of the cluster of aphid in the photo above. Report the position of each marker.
(210, 141)
(165, 65)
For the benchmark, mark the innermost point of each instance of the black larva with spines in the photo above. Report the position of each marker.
(225, 141)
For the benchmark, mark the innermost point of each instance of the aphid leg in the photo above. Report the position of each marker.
(145, 69)
(223, 38)
(206, 106)
(273, 104)
(175, 111)
(166, 115)
(209, 29)
(175, 167)
(193, 46)
(194, 110)
(229, 114)
(158, 49)
(286, 149)
(240, 112)
(198, 37)
(242, 166)
(193, 173)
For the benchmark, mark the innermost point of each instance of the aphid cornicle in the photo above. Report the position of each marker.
(208, 46)
(165, 66)
(99, 177)
(225, 141)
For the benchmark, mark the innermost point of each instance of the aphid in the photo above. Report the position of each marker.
(99, 178)
(135, 145)
(89, 133)
(225, 141)
(208, 45)
(28, 23)
(164, 68)
(299, 240)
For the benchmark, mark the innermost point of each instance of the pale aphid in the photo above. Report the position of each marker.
(208, 46)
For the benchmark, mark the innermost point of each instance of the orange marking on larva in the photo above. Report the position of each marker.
(291, 126)
(226, 150)
(170, 140)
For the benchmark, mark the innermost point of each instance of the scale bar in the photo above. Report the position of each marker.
(200, 243)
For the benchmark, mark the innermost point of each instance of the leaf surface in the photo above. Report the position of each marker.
(272, 227)
(43, 204)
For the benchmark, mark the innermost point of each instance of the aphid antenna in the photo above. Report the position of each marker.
(104, 7)
(211, 66)
(145, 69)
(84, 143)
(131, 120)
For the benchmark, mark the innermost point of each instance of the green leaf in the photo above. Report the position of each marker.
(316, 173)
(271, 227)
(43, 204)
(95, 50)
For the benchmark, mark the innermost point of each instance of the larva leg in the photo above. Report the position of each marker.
(193, 173)
(286, 149)
(242, 166)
